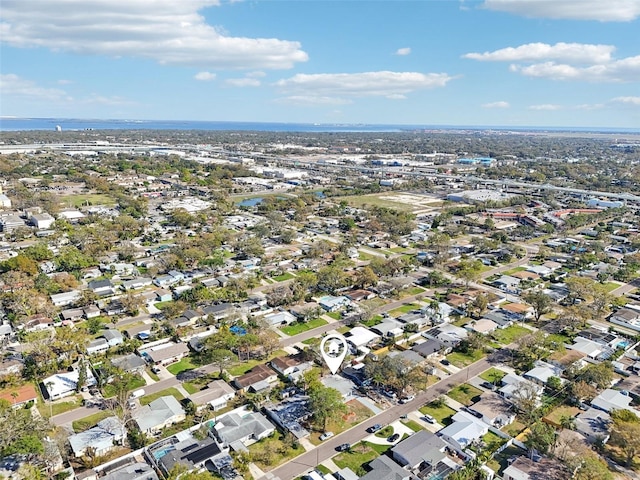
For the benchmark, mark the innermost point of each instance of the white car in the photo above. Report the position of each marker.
(429, 418)
(326, 436)
(407, 399)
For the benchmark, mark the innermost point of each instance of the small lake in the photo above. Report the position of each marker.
(254, 201)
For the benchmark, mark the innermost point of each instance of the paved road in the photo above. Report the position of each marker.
(71, 416)
(311, 459)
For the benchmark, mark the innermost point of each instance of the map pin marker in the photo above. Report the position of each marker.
(334, 348)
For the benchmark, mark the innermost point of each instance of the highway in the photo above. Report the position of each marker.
(327, 449)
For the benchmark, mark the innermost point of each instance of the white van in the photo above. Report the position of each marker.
(137, 393)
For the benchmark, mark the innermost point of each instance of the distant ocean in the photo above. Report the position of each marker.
(75, 124)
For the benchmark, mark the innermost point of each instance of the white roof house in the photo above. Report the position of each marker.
(610, 399)
(464, 430)
(65, 383)
(158, 414)
(102, 437)
(542, 372)
(361, 337)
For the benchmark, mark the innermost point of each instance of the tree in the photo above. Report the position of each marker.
(600, 375)
(554, 383)
(366, 277)
(479, 304)
(526, 398)
(540, 302)
(540, 437)
(625, 433)
(219, 357)
(131, 303)
(593, 468)
(326, 404)
(469, 270)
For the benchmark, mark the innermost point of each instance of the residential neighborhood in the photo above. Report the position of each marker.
(162, 313)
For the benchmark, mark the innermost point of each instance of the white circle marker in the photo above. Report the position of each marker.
(334, 348)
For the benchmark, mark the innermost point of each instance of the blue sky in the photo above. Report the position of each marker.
(447, 62)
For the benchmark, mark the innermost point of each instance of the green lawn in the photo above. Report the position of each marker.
(283, 277)
(356, 414)
(414, 291)
(510, 334)
(240, 368)
(152, 375)
(181, 366)
(344, 329)
(396, 312)
(153, 396)
(514, 270)
(355, 459)
(610, 286)
(272, 451)
(514, 428)
(162, 305)
(373, 321)
(191, 387)
(492, 441)
(136, 382)
(57, 408)
(385, 432)
(562, 411)
(465, 394)
(415, 426)
(493, 375)
(501, 460)
(335, 315)
(375, 199)
(296, 328)
(442, 414)
(462, 360)
(91, 421)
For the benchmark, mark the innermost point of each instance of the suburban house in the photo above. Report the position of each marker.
(165, 353)
(219, 311)
(192, 454)
(279, 318)
(389, 328)
(430, 348)
(102, 288)
(131, 363)
(361, 337)
(64, 384)
(102, 438)
(66, 298)
(609, 400)
(333, 304)
(110, 338)
(464, 430)
(217, 394)
(133, 471)
(593, 425)
(383, 468)
(19, 396)
(450, 335)
(421, 450)
(291, 366)
(290, 414)
(258, 379)
(512, 383)
(136, 283)
(524, 468)
(493, 410)
(241, 427)
(159, 414)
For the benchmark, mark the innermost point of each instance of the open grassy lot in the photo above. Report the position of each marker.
(514, 428)
(373, 321)
(376, 200)
(411, 291)
(181, 366)
(335, 315)
(91, 421)
(296, 328)
(47, 410)
(610, 286)
(461, 360)
(84, 199)
(240, 368)
(510, 334)
(283, 277)
(272, 451)
(465, 394)
(442, 413)
(493, 375)
(396, 312)
(556, 415)
(356, 414)
(136, 382)
(501, 460)
(359, 455)
(153, 396)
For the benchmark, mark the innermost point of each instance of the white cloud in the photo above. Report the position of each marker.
(599, 10)
(396, 96)
(403, 51)
(13, 85)
(243, 82)
(256, 74)
(205, 76)
(102, 100)
(500, 104)
(63, 81)
(627, 100)
(565, 52)
(167, 31)
(366, 84)
(312, 100)
(545, 106)
(625, 70)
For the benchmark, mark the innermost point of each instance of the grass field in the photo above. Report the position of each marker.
(465, 394)
(396, 312)
(181, 366)
(359, 455)
(296, 328)
(493, 375)
(84, 199)
(442, 414)
(283, 277)
(136, 382)
(91, 421)
(272, 451)
(375, 200)
(462, 360)
(153, 396)
(356, 414)
(510, 334)
(70, 403)
(243, 367)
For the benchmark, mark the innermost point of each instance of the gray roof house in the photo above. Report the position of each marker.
(217, 394)
(242, 427)
(134, 471)
(160, 413)
(383, 468)
(593, 425)
(103, 437)
(131, 363)
(420, 448)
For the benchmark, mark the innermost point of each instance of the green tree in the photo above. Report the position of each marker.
(540, 437)
(326, 404)
(540, 303)
(219, 357)
(593, 468)
(625, 433)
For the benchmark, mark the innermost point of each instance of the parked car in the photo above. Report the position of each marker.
(407, 399)
(326, 436)
(394, 437)
(374, 428)
(444, 361)
(343, 447)
(488, 385)
(429, 419)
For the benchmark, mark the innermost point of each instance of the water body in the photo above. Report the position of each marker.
(254, 201)
(20, 124)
